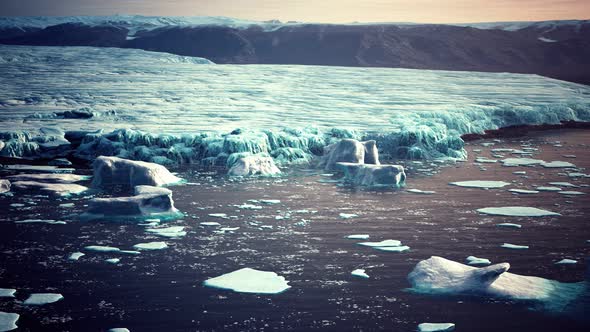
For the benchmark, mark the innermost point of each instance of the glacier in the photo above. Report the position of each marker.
(170, 109)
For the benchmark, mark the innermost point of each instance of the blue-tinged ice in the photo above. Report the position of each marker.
(8, 321)
(119, 329)
(359, 273)
(7, 292)
(436, 327)
(43, 298)
(249, 280)
(517, 211)
(567, 261)
(509, 225)
(514, 246)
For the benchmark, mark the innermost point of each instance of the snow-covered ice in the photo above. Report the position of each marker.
(564, 184)
(249, 280)
(8, 321)
(384, 243)
(4, 186)
(102, 248)
(113, 260)
(571, 193)
(254, 165)
(393, 249)
(547, 188)
(369, 175)
(480, 184)
(57, 189)
(517, 211)
(210, 223)
(43, 298)
(359, 273)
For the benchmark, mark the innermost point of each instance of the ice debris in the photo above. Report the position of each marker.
(249, 280)
(509, 225)
(109, 171)
(43, 298)
(384, 243)
(436, 327)
(102, 248)
(517, 211)
(359, 273)
(8, 321)
(113, 260)
(567, 261)
(480, 184)
(210, 223)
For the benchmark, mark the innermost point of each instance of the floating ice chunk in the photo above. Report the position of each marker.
(217, 215)
(119, 329)
(7, 292)
(485, 160)
(109, 171)
(572, 193)
(472, 260)
(359, 273)
(210, 223)
(394, 249)
(384, 243)
(578, 175)
(67, 205)
(567, 261)
(173, 231)
(148, 202)
(49, 178)
(517, 211)
(43, 298)
(76, 256)
(373, 175)
(358, 237)
(564, 184)
(130, 252)
(4, 186)
(229, 229)
(113, 260)
(57, 189)
(102, 249)
(347, 215)
(521, 162)
(270, 201)
(523, 191)
(40, 221)
(350, 151)
(436, 327)
(557, 164)
(249, 207)
(519, 173)
(249, 280)
(8, 321)
(513, 246)
(254, 165)
(548, 188)
(423, 192)
(151, 246)
(480, 184)
(509, 225)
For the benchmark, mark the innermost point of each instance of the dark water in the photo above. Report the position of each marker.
(163, 291)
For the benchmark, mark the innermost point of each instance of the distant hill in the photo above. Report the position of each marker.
(558, 49)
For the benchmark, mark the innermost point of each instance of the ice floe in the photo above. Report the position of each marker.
(359, 273)
(40, 221)
(347, 215)
(7, 292)
(217, 215)
(480, 184)
(513, 246)
(547, 188)
(436, 327)
(49, 177)
(119, 329)
(509, 225)
(38, 168)
(394, 249)
(558, 164)
(567, 261)
(109, 171)
(249, 280)
(472, 260)
(113, 260)
(43, 298)
(102, 248)
(158, 245)
(418, 191)
(8, 321)
(358, 236)
(172, 232)
(571, 193)
(517, 211)
(76, 256)
(384, 243)
(270, 201)
(563, 184)
(523, 191)
(210, 223)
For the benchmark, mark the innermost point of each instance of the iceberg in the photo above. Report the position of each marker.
(438, 275)
(480, 184)
(7, 292)
(151, 246)
(517, 211)
(249, 280)
(43, 298)
(148, 202)
(8, 321)
(350, 151)
(436, 327)
(359, 273)
(109, 171)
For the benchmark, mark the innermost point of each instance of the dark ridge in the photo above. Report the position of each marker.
(524, 130)
(428, 46)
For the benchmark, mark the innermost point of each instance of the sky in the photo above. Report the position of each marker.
(327, 11)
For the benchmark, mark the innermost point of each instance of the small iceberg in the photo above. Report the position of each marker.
(8, 321)
(513, 246)
(394, 249)
(249, 207)
(360, 273)
(210, 223)
(523, 191)
(151, 246)
(76, 256)
(509, 225)
(102, 249)
(119, 329)
(436, 327)
(548, 188)
(347, 215)
(480, 184)
(173, 231)
(566, 261)
(422, 192)
(249, 280)
(270, 201)
(43, 298)
(113, 260)
(217, 215)
(517, 211)
(563, 184)
(571, 193)
(7, 292)
(358, 237)
(384, 243)
(472, 260)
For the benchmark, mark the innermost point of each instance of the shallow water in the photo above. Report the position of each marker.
(163, 289)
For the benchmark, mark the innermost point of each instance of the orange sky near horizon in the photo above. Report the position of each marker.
(328, 11)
